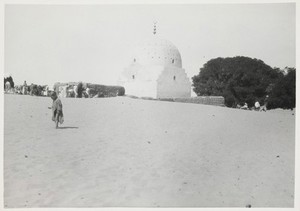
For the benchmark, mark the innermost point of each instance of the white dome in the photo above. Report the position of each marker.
(157, 51)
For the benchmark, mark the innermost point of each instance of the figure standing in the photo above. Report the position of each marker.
(79, 90)
(75, 91)
(57, 112)
(87, 91)
(24, 91)
(46, 91)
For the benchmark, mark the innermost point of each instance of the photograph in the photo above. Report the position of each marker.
(149, 105)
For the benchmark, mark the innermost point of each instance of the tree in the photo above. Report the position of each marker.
(283, 94)
(238, 79)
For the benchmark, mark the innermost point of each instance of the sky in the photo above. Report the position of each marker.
(44, 44)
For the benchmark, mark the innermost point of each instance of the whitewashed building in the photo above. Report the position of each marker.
(155, 71)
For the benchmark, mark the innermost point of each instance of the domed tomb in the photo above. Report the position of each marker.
(157, 51)
(156, 71)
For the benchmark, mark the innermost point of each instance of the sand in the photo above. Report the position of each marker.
(123, 152)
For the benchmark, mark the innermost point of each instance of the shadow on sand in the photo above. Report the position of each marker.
(67, 128)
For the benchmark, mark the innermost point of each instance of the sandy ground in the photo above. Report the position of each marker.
(125, 152)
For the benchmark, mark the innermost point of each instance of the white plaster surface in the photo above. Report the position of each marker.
(156, 71)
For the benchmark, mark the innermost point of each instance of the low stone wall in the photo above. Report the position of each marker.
(206, 100)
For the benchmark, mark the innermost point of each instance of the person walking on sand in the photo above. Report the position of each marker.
(57, 112)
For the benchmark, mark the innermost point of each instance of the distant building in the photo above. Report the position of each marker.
(156, 71)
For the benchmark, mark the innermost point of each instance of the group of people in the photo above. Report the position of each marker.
(25, 89)
(72, 90)
(79, 92)
(257, 106)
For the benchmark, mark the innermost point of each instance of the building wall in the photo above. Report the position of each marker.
(141, 81)
(141, 88)
(173, 83)
(156, 81)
